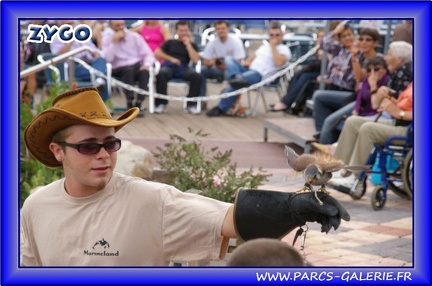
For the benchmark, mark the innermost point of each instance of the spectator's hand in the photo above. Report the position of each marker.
(381, 93)
(144, 68)
(186, 41)
(389, 104)
(354, 51)
(339, 28)
(118, 36)
(220, 63)
(175, 61)
(273, 42)
(373, 79)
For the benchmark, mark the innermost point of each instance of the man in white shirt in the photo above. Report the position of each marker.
(131, 59)
(215, 52)
(268, 58)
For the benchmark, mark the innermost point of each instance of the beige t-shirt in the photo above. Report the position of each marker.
(131, 222)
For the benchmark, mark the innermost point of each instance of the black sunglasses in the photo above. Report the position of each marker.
(94, 148)
(375, 69)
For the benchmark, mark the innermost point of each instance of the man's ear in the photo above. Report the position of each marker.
(57, 151)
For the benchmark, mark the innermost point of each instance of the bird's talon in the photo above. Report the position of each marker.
(324, 190)
(304, 189)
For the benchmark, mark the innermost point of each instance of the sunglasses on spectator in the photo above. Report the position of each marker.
(275, 35)
(94, 148)
(375, 69)
(361, 39)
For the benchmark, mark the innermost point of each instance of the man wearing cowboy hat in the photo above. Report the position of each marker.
(94, 216)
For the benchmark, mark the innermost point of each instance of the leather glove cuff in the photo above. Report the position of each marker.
(260, 213)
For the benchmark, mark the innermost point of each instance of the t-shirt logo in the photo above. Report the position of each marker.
(99, 249)
(103, 243)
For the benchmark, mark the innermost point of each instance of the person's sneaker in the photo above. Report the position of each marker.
(193, 110)
(161, 108)
(214, 112)
(141, 113)
(238, 82)
(347, 182)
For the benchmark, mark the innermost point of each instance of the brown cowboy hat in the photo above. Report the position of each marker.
(79, 106)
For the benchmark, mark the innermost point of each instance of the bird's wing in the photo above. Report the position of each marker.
(328, 163)
(298, 162)
(332, 166)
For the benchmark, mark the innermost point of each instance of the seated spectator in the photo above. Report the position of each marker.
(331, 105)
(360, 134)
(403, 32)
(28, 84)
(94, 58)
(267, 59)
(97, 29)
(32, 50)
(224, 45)
(265, 252)
(153, 32)
(131, 59)
(376, 67)
(399, 64)
(177, 54)
(300, 79)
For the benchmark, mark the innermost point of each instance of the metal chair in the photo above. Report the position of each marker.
(61, 71)
(173, 82)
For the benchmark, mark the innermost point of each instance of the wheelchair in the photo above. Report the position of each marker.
(393, 169)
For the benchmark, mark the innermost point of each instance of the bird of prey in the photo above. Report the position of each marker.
(316, 171)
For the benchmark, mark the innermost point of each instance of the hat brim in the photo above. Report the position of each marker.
(38, 135)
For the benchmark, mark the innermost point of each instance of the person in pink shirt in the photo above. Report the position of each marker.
(131, 58)
(153, 32)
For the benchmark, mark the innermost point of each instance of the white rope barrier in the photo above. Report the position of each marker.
(288, 70)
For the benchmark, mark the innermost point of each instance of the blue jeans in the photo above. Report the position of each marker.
(328, 101)
(296, 84)
(329, 132)
(82, 74)
(234, 68)
(213, 73)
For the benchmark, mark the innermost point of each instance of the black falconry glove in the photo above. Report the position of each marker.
(272, 214)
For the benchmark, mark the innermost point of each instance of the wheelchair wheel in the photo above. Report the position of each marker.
(398, 189)
(360, 189)
(407, 173)
(398, 186)
(378, 198)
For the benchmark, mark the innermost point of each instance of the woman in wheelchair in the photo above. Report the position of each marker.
(359, 134)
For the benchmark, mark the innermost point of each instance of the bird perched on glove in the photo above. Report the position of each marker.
(316, 171)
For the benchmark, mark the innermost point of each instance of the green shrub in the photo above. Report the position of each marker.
(190, 166)
(32, 172)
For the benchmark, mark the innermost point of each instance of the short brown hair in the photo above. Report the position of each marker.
(373, 33)
(219, 22)
(181, 23)
(265, 252)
